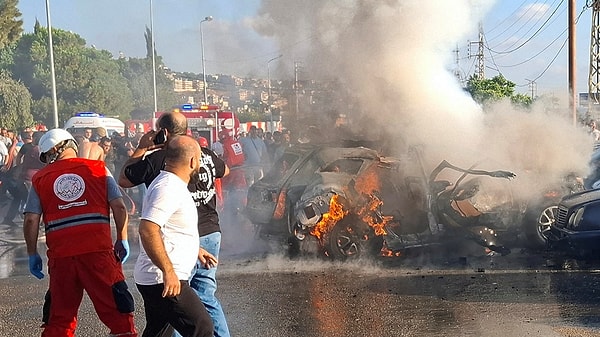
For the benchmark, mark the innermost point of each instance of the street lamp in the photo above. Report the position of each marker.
(208, 18)
(269, 84)
(153, 60)
(51, 49)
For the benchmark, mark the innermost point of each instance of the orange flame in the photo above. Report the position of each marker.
(280, 207)
(335, 214)
(368, 216)
(368, 182)
(386, 252)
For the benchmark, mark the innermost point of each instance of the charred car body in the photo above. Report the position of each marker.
(271, 200)
(351, 201)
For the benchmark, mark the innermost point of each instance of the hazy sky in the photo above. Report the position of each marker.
(523, 36)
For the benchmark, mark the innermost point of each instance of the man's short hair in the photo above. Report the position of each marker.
(174, 122)
(179, 150)
(100, 131)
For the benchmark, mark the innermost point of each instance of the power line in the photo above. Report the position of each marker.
(537, 54)
(531, 37)
(529, 17)
(561, 48)
(556, 17)
(506, 19)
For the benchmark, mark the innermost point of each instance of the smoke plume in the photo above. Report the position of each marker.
(394, 55)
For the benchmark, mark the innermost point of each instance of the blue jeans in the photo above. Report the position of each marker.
(204, 283)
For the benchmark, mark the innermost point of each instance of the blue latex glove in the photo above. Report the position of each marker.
(122, 250)
(35, 265)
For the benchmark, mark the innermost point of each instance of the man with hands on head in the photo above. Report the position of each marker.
(76, 196)
(146, 161)
(169, 247)
(145, 165)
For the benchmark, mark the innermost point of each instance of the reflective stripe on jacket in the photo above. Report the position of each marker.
(76, 212)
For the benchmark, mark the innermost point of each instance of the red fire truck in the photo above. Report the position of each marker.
(203, 120)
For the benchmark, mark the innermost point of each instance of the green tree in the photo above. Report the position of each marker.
(138, 72)
(493, 89)
(7, 56)
(11, 27)
(521, 100)
(15, 103)
(86, 79)
(490, 89)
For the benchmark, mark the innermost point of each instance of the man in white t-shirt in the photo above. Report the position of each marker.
(3, 154)
(169, 247)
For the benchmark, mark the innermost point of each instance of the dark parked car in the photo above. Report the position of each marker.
(577, 225)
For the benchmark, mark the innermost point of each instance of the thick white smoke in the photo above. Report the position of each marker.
(394, 56)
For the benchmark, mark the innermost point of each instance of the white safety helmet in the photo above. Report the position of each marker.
(52, 138)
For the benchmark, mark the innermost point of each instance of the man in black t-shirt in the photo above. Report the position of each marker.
(143, 168)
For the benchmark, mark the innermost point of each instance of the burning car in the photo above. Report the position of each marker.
(350, 201)
(577, 225)
(271, 200)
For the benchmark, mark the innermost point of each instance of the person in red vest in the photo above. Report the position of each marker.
(234, 184)
(76, 196)
(233, 155)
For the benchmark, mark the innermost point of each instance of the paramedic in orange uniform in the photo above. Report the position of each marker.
(75, 197)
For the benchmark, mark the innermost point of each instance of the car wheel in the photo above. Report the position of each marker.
(293, 245)
(351, 238)
(538, 224)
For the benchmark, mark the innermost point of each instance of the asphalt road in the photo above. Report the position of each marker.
(459, 291)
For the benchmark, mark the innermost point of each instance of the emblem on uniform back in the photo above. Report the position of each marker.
(69, 187)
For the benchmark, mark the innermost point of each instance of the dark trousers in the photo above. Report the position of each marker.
(184, 312)
(19, 192)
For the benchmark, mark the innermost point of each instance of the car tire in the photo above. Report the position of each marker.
(351, 239)
(537, 222)
(293, 247)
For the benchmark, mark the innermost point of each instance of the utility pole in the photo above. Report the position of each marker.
(269, 100)
(594, 72)
(533, 86)
(480, 71)
(572, 62)
(153, 63)
(297, 89)
(457, 72)
(52, 73)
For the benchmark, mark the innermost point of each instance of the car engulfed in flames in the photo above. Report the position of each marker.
(349, 202)
(341, 208)
(385, 206)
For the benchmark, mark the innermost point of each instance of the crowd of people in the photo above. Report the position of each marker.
(248, 155)
(18, 163)
(71, 183)
(19, 152)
